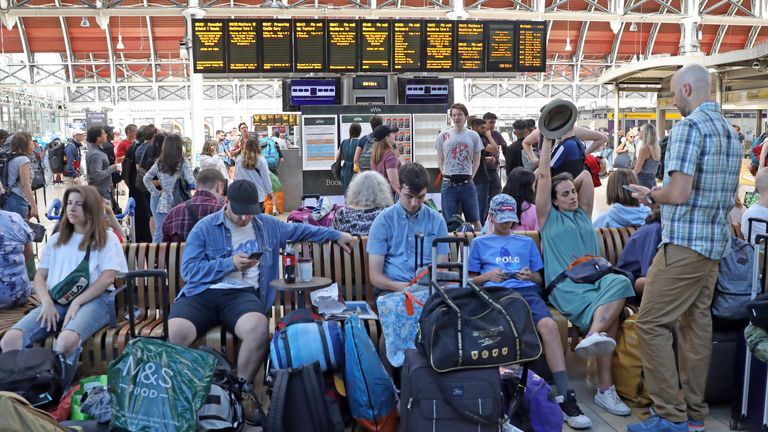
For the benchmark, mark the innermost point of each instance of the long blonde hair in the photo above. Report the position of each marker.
(95, 223)
(380, 147)
(251, 153)
(648, 132)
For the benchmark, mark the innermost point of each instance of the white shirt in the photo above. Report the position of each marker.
(61, 260)
(245, 241)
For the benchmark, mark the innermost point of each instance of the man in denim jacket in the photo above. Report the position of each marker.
(225, 286)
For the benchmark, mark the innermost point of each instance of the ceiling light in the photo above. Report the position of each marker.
(568, 45)
(120, 45)
(84, 22)
(633, 27)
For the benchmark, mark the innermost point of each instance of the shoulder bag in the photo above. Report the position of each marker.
(586, 270)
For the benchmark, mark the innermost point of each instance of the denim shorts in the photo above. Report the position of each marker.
(539, 309)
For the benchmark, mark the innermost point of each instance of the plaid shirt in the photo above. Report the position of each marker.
(704, 146)
(178, 224)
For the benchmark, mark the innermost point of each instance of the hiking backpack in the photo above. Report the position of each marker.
(270, 153)
(5, 161)
(38, 170)
(223, 408)
(57, 157)
(36, 374)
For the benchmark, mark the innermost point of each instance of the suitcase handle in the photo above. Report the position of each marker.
(130, 278)
(459, 240)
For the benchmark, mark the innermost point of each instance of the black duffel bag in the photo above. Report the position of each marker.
(476, 327)
(36, 374)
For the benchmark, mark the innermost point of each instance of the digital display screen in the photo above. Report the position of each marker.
(208, 46)
(243, 45)
(375, 46)
(439, 50)
(277, 46)
(370, 82)
(500, 36)
(309, 45)
(531, 46)
(275, 119)
(407, 37)
(470, 47)
(342, 45)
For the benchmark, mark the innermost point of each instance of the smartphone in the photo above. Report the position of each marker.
(255, 255)
(629, 188)
(510, 275)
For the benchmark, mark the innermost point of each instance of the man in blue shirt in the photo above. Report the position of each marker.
(391, 240)
(226, 284)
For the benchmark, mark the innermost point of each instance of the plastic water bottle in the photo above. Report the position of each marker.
(289, 263)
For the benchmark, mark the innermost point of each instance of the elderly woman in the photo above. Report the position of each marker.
(367, 196)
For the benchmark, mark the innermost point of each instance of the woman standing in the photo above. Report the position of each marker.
(251, 166)
(384, 159)
(20, 198)
(169, 168)
(240, 141)
(648, 156)
(346, 154)
(210, 158)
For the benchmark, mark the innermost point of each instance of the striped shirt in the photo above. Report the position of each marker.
(704, 146)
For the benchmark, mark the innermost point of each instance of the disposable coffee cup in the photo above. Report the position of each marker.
(305, 269)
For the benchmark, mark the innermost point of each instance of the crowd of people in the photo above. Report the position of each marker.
(232, 247)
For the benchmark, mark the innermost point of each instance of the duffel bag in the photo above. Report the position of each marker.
(302, 344)
(476, 327)
(36, 374)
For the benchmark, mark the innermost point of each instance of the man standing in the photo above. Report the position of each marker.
(513, 154)
(124, 145)
(494, 138)
(700, 183)
(362, 159)
(481, 177)
(72, 151)
(181, 219)
(98, 167)
(458, 157)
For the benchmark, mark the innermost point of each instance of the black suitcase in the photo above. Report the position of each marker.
(721, 378)
(464, 400)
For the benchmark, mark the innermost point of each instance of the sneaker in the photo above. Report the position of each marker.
(695, 425)
(573, 414)
(655, 423)
(611, 402)
(596, 344)
(252, 412)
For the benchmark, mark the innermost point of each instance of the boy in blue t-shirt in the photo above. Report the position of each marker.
(513, 261)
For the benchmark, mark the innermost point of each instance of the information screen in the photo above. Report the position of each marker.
(309, 45)
(500, 39)
(277, 45)
(243, 45)
(342, 45)
(407, 37)
(375, 46)
(470, 47)
(531, 46)
(439, 51)
(208, 46)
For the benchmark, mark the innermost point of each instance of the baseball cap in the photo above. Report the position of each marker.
(504, 208)
(77, 131)
(382, 131)
(243, 198)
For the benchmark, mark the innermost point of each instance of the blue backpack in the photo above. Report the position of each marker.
(304, 343)
(370, 391)
(270, 153)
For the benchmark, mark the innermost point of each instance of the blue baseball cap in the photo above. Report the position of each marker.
(504, 209)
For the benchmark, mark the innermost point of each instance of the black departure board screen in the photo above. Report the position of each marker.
(470, 47)
(407, 37)
(277, 46)
(309, 45)
(531, 46)
(208, 46)
(500, 40)
(341, 38)
(375, 46)
(439, 46)
(243, 45)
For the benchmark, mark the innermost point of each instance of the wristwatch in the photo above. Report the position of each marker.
(649, 197)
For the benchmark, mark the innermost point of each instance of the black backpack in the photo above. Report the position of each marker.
(36, 374)
(5, 161)
(302, 390)
(223, 408)
(129, 164)
(36, 164)
(57, 157)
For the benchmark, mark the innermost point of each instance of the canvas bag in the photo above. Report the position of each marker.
(628, 368)
(19, 416)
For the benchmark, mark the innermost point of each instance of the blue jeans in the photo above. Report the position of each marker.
(466, 195)
(17, 204)
(483, 190)
(159, 219)
(608, 156)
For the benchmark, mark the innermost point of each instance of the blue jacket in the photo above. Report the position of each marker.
(73, 154)
(619, 216)
(207, 257)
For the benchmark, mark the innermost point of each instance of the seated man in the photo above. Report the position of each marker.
(207, 199)
(391, 241)
(513, 261)
(228, 285)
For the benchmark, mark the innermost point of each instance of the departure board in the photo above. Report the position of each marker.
(309, 45)
(243, 45)
(277, 46)
(500, 40)
(531, 46)
(342, 45)
(439, 50)
(208, 46)
(375, 46)
(470, 47)
(407, 37)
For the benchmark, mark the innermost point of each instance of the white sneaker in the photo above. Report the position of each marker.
(571, 411)
(611, 402)
(596, 344)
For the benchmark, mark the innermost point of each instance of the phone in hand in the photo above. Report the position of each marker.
(255, 255)
(510, 275)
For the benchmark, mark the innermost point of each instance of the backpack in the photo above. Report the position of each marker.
(302, 343)
(57, 157)
(365, 156)
(733, 289)
(5, 161)
(223, 408)
(129, 164)
(38, 169)
(537, 408)
(36, 374)
(270, 153)
(19, 416)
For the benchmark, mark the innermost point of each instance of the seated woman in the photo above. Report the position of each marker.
(638, 254)
(15, 249)
(520, 187)
(567, 234)
(512, 261)
(77, 268)
(366, 197)
(625, 211)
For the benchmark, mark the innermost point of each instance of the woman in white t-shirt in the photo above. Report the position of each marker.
(76, 272)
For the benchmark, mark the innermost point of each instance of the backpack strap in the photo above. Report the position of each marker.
(278, 400)
(315, 396)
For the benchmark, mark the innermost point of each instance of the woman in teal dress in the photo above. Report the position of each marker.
(346, 154)
(565, 217)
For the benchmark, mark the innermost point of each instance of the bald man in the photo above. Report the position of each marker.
(700, 184)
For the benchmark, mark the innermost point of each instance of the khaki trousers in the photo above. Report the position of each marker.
(678, 293)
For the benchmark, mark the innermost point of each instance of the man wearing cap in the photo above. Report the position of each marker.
(72, 151)
(504, 259)
(227, 284)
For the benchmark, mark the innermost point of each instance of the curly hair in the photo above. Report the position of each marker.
(369, 190)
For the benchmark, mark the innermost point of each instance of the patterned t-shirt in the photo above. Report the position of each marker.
(355, 221)
(459, 150)
(14, 282)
